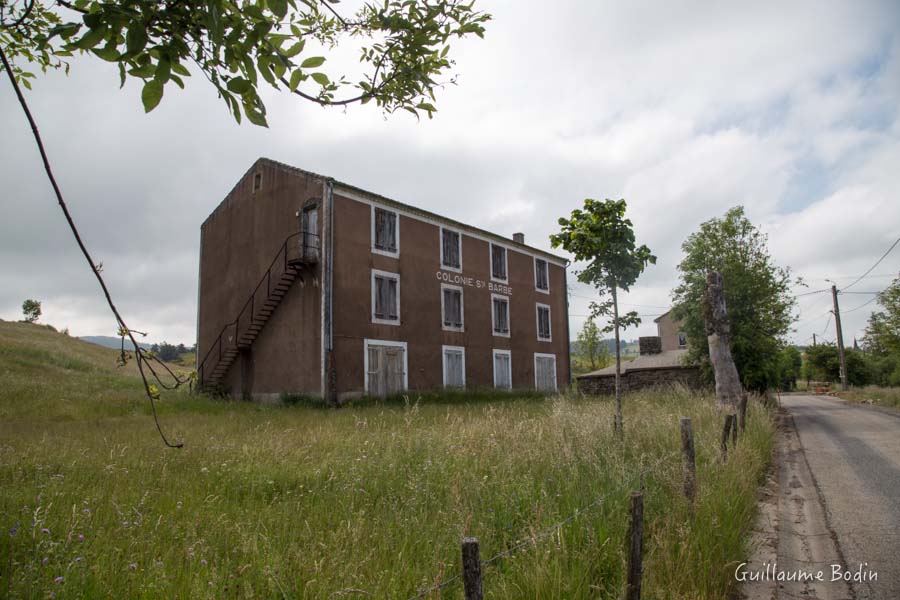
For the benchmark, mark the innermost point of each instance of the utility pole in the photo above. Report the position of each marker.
(814, 340)
(840, 339)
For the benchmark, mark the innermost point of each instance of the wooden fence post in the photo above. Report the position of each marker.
(743, 412)
(471, 561)
(687, 452)
(635, 547)
(725, 433)
(734, 428)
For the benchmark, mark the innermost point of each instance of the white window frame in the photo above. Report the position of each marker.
(493, 316)
(505, 262)
(547, 265)
(538, 355)
(537, 317)
(461, 349)
(494, 354)
(441, 243)
(375, 250)
(366, 343)
(389, 275)
(462, 307)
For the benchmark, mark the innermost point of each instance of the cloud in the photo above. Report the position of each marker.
(684, 109)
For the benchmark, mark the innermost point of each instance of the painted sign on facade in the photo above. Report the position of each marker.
(460, 279)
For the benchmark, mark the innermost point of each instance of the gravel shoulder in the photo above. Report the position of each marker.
(832, 504)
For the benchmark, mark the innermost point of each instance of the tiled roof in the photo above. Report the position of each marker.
(664, 360)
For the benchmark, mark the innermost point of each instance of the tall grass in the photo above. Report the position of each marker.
(371, 499)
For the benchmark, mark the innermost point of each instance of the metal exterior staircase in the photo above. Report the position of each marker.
(293, 260)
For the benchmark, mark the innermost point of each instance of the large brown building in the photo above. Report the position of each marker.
(313, 286)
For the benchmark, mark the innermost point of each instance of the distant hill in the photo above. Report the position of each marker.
(628, 348)
(108, 341)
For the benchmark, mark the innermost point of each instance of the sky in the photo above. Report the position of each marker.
(685, 109)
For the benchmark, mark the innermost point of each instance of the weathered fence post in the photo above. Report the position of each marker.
(635, 547)
(743, 412)
(687, 452)
(734, 428)
(729, 422)
(471, 561)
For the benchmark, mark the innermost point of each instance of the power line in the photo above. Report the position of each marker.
(877, 262)
(870, 301)
(827, 323)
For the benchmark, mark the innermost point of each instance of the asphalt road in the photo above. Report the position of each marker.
(854, 455)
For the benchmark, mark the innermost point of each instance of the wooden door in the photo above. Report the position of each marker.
(386, 374)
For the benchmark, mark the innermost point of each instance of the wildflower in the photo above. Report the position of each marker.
(45, 560)
(79, 558)
(14, 530)
(45, 530)
(204, 470)
(132, 566)
(86, 511)
(80, 537)
(203, 561)
(58, 579)
(160, 564)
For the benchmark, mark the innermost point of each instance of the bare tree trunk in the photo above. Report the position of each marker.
(618, 422)
(728, 383)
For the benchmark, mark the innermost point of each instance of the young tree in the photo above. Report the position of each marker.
(589, 342)
(600, 235)
(757, 295)
(882, 336)
(241, 46)
(32, 310)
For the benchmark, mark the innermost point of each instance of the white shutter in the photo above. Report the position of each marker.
(454, 368)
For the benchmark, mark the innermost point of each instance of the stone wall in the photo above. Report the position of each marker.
(650, 345)
(642, 379)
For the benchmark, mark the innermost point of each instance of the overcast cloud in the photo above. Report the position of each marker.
(684, 109)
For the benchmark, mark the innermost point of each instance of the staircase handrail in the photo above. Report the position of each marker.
(267, 277)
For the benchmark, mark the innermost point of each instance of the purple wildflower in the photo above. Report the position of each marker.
(203, 561)
(80, 537)
(14, 529)
(132, 566)
(45, 560)
(58, 579)
(45, 530)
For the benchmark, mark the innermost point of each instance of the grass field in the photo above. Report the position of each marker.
(873, 394)
(366, 501)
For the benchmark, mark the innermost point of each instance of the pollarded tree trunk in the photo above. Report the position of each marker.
(728, 382)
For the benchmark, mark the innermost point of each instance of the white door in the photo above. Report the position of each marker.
(545, 372)
(386, 372)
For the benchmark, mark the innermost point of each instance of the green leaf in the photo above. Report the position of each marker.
(255, 116)
(163, 69)
(238, 85)
(296, 78)
(181, 69)
(108, 53)
(91, 39)
(151, 94)
(278, 7)
(144, 71)
(136, 38)
(295, 49)
(312, 62)
(321, 78)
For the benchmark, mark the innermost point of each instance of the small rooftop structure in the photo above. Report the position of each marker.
(662, 361)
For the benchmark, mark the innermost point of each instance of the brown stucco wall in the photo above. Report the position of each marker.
(642, 379)
(238, 242)
(420, 305)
